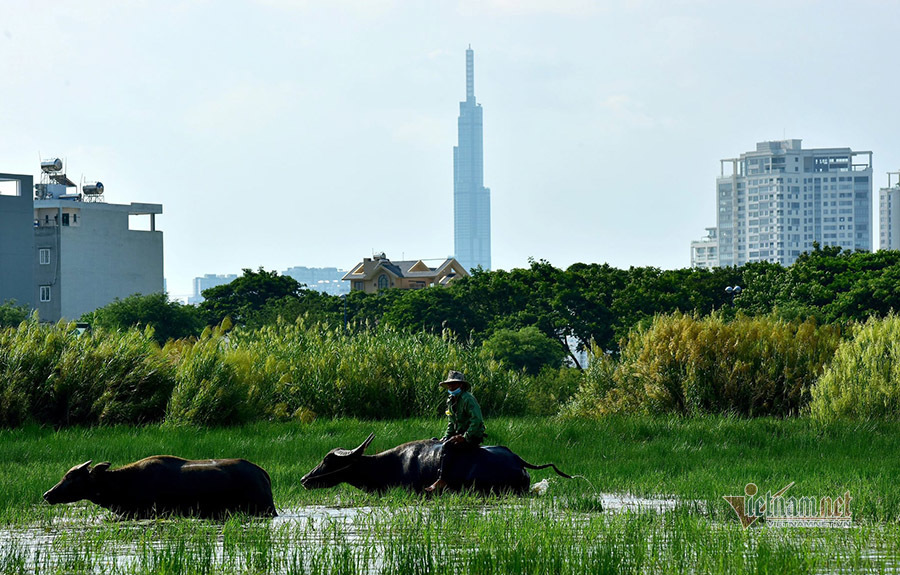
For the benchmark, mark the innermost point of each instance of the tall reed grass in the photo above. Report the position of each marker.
(54, 375)
(680, 364)
(863, 379)
(320, 371)
(51, 374)
(689, 365)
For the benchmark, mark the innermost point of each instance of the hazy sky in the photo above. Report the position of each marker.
(294, 132)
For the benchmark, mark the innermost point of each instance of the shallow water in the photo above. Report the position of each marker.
(367, 539)
(80, 538)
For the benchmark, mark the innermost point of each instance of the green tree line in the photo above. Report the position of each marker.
(594, 304)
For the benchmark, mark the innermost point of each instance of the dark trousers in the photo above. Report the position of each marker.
(454, 460)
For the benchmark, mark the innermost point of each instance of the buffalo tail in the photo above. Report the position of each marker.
(545, 466)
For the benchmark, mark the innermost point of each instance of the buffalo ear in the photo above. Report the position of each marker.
(83, 466)
(100, 468)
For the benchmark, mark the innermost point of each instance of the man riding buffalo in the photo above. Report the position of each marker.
(455, 462)
(465, 428)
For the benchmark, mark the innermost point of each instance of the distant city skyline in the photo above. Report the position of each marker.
(471, 200)
(278, 132)
(324, 279)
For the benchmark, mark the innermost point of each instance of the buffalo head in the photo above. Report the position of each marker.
(336, 467)
(78, 483)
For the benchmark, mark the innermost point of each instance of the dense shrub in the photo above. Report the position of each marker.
(686, 365)
(168, 319)
(863, 379)
(526, 349)
(551, 388)
(12, 314)
(597, 389)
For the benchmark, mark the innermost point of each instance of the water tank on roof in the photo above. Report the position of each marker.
(92, 189)
(53, 165)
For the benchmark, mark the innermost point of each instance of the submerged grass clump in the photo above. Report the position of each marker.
(453, 536)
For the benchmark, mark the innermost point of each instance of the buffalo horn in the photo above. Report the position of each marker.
(358, 451)
(362, 448)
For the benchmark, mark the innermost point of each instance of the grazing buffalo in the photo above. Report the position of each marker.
(415, 466)
(166, 485)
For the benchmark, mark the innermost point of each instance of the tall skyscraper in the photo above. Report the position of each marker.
(471, 200)
(774, 202)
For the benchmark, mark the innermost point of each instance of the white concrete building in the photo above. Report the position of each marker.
(87, 256)
(73, 251)
(774, 202)
(705, 251)
(889, 214)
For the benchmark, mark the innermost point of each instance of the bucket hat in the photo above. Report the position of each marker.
(455, 377)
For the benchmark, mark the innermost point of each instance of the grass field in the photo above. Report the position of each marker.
(691, 461)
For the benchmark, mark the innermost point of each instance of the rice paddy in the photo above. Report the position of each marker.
(657, 507)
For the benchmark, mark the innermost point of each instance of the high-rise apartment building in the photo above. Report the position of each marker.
(471, 200)
(889, 214)
(774, 202)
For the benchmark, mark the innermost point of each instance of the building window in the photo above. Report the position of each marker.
(358, 285)
(383, 282)
(44, 256)
(45, 293)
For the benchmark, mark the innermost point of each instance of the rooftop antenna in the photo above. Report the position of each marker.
(470, 74)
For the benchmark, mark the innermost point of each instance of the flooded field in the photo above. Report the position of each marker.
(547, 535)
(572, 529)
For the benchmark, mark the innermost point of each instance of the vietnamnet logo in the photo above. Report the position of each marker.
(781, 511)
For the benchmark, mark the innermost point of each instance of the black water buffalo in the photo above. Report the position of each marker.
(415, 466)
(166, 485)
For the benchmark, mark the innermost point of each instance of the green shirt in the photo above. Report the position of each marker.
(465, 418)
